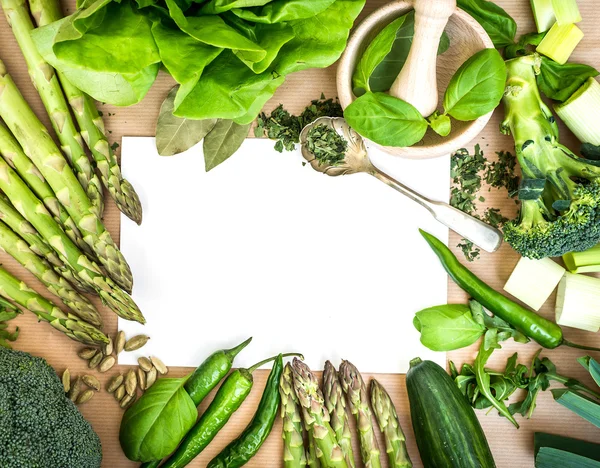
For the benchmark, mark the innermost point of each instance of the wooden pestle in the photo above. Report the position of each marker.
(417, 82)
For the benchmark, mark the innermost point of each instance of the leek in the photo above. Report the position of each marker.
(581, 405)
(566, 11)
(533, 281)
(560, 42)
(582, 448)
(581, 112)
(577, 302)
(587, 261)
(543, 13)
(549, 457)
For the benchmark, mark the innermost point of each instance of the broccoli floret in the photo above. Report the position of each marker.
(39, 426)
(560, 192)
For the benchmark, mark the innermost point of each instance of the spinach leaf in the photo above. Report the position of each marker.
(386, 120)
(374, 54)
(386, 72)
(477, 87)
(499, 25)
(447, 327)
(175, 135)
(155, 424)
(284, 10)
(559, 82)
(223, 141)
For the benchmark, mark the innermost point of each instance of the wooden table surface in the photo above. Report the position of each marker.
(511, 447)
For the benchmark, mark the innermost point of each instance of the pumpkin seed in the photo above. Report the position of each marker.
(160, 366)
(130, 382)
(120, 392)
(66, 380)
(108, 347)
(126, 401)
(87, 353)
(120, 342)
(95, 360)
(141, 377)
(75, 389)
(150, 377)
(91, 381)
(85, 396)
(107, 363)
(114, 383)
(145, 364)
(136, 342)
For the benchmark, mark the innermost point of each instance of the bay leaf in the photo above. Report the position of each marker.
(175, 135)
(223, 141)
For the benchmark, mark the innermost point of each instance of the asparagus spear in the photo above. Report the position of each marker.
(47, 85)
(22, 227)
(57, 285)
(294, 454)
(39, 146)
(7, 312)
(88, 271)
(336, 405)
(316, 417)
(387, 418)
(75, 328)
(312, 460)
(356, 392)
(92, 127)
(13, 154)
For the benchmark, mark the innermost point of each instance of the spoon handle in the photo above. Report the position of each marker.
(481, 234)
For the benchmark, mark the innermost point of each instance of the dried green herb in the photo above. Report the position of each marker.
(284, 127)
(327, 145)
(501, 173)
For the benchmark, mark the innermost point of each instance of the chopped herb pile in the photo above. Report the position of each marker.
(468, 172)
(284, 127)
(327, 145)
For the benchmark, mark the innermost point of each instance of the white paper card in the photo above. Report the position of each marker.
(262, 246)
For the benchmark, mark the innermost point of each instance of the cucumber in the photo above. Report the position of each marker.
(446, 428)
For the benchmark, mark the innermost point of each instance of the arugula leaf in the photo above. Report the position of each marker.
(499, 25)
(559, 82)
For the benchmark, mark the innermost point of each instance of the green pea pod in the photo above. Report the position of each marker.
(242, 449)
(228, 399)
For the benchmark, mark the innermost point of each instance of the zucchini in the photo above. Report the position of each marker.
(447, 430)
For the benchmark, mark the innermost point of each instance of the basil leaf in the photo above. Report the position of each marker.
(477, 87)
(175, 135)
(377, 50)
(155, 424)
(223, 141)
(559, 82)
(523, 46)
(388, 70)
(499, 25)
(447, 327)
(386, 120)
(440, 124)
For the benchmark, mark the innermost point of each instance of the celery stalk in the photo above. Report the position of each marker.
(577, 302)
(587, 261)
(560, 42)
(566, 11)
(533, 281)
(543, 13)
(581, 112)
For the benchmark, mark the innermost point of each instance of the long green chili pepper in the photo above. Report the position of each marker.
(543, 331)
(206, 377)
(242, 449)
(228, 399)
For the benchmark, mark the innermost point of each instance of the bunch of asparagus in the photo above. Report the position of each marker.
(51, 197)
(322, 415)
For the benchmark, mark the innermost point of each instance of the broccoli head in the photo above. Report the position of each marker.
(39, 426)
(560, 192)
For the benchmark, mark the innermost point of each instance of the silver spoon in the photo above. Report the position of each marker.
(357, 160)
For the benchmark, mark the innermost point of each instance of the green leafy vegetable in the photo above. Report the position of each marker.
(223, 141)
(326, 144)
(524, 46)
(386, 120)
(279, 11)
(175, 135)
(581, 405)
(559, 82)
(154, 425)
(440, 124)
(477, 87)
(499, 25)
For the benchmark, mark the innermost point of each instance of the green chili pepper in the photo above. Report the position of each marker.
(238, 452)
(228, 399)
(539, 329)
